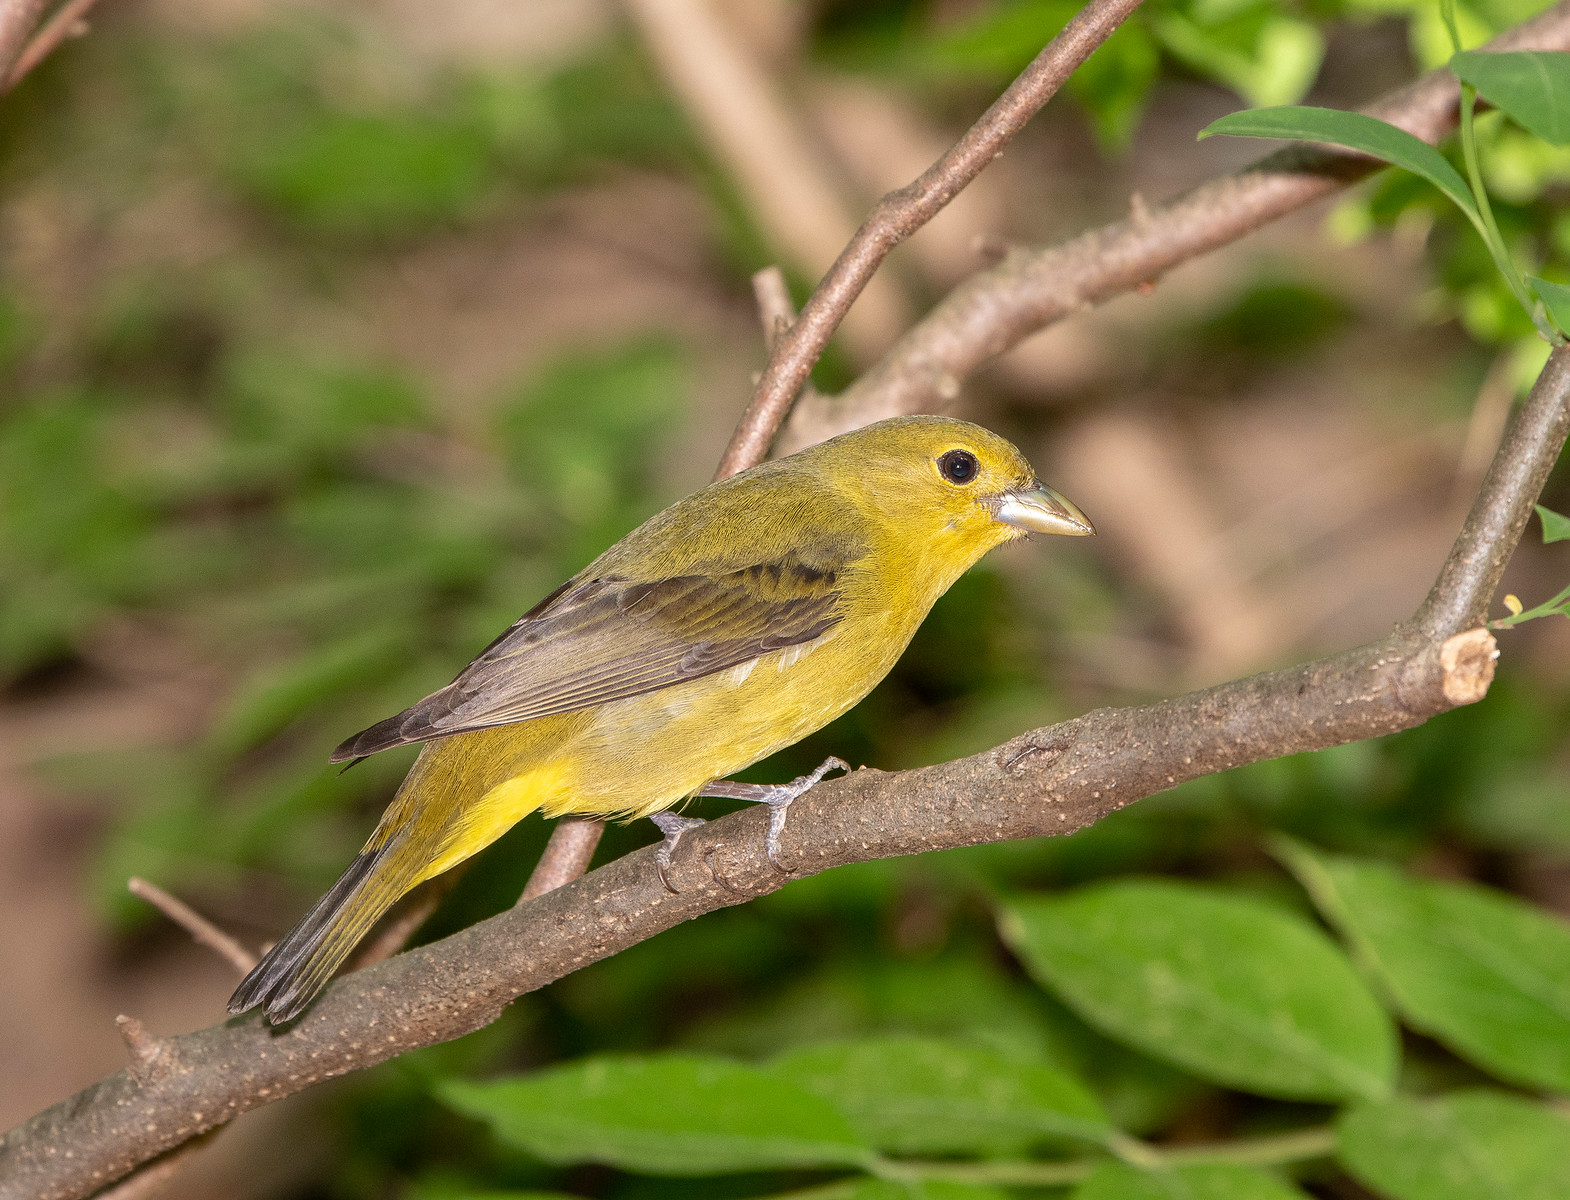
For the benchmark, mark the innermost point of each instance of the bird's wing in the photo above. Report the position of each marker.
(608, 638)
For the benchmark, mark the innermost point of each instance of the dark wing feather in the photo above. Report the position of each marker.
(606, 639)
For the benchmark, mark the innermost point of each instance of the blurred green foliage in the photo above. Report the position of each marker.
(180, 461)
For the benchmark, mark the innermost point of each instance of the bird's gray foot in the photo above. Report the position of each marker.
(672, 826)
(778, 796)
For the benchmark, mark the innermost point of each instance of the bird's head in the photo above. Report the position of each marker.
(948, 482)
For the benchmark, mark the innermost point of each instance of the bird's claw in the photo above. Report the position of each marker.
(672, 825)
(780, 796)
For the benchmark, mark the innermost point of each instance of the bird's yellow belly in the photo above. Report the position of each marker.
(641, 755)
(644, 754)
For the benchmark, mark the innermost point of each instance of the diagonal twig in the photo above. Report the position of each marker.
(198, 926)
(900, 214)
(18, 18)
(775, 311)
(1032, 288)
(68, 21)
(567, 856)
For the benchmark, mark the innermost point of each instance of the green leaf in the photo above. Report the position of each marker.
(1555, 527)
(1487, 975)
(1211, 1181)
(1531, 86)
(1555, 298)
(1355, 131)
(1466, 1146)
(454, 1191)
(925, 1189)
(1237, 991)
(1276, 65)
(675, 1114)
(916, 1096)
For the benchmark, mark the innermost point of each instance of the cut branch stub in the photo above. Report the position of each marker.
(1468, 660)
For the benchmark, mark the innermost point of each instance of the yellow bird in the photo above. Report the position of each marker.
(732, 624)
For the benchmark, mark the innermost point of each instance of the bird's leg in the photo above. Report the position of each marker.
(777, 796)
(672, 825)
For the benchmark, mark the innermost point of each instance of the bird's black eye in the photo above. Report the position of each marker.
(959, 466)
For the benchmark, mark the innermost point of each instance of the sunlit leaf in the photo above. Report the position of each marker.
(1555, 298)
(1355, 131)
(673, 1115)
(1467, 1146)
(909, 1095)
(1276, 66)
(1484, 973)
(1531, 86)
(1556, 528)
(1236, 991)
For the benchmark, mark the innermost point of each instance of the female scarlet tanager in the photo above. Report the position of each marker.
(730, 625)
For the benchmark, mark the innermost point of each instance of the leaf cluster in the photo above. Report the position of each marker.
(1235, 990)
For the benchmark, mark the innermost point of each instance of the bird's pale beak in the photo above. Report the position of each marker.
(1039, 509)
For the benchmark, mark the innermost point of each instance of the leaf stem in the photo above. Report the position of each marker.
(1276, 1150)
(1546, 609)
(1486, 226)
(839, 1189)
(1489, 228)
(1296, 1146)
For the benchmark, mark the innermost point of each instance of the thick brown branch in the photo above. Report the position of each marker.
(900, 214)
(1033, 288)
(1049, 781)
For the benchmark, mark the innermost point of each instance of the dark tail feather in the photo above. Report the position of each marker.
(299, 966)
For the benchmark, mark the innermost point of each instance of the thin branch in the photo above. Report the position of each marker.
(18, 19)
(1460, 595)
(567, 856)
(775, 309)
(1049, 781)
(572, 843)
(777, 313)
(900, 214)
(148, 1183)
(1278, 1150)
(198, 926)
(67, 22)
(1033, 288)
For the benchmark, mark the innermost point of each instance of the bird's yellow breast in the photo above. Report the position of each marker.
(638, 756)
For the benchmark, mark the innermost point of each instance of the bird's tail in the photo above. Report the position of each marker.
(300, 965)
